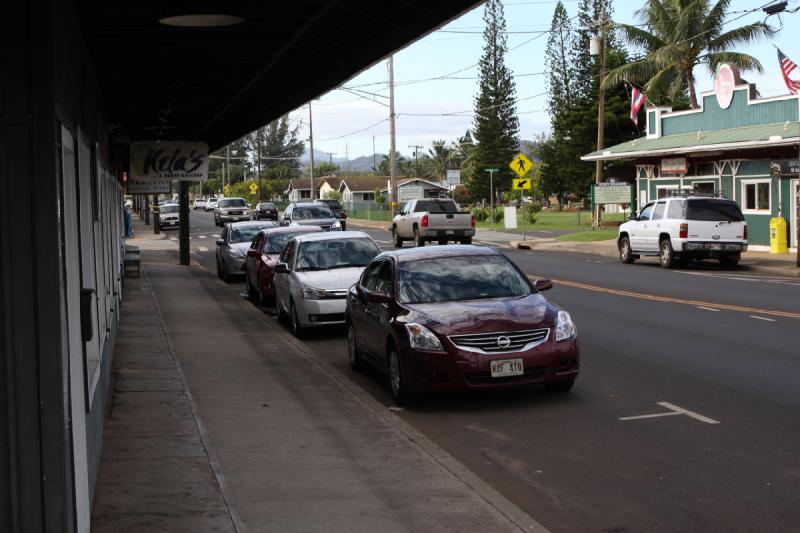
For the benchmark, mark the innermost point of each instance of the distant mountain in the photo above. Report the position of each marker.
(362, 163)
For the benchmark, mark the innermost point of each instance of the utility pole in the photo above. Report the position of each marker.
(258, 160)
(601, 107)
(311, 143)
(346, 160)
(491, 172)
(374, 163)
(392, 150)
(228, 166)
(416, 148)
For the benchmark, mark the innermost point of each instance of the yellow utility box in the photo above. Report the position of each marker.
(778, 242)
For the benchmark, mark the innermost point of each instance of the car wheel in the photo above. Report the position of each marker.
(667, 256)
(294, 322)
(396, 240)
(225, 276)
(400, 393)
(560, 386)
(251, 292)
(468, 240)
(728, 263)
(625, 252)
(219, 270)
(418, 240)
(353, 355)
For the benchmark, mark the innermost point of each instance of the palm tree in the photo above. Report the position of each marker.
(439, 155)
(680, 35)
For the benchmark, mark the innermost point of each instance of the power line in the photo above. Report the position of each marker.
(354, 132)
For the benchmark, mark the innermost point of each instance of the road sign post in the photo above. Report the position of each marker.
(491, 172)
(522, 184)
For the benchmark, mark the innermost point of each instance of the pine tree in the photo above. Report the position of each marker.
(557, 62)
(584, 67)
(496, 126)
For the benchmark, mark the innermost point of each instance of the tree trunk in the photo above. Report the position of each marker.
(692, 93)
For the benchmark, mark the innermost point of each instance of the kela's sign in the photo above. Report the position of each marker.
(725, 81)
(149, 186)
(170, 160)
(784, 167)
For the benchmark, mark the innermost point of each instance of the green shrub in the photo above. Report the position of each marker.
(530, 212)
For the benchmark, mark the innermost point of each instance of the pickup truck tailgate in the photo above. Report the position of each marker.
(449, 220)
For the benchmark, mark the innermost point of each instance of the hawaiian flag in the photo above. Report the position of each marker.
(637, 101)
(787, 66)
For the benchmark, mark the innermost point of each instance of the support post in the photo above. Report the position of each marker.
(392, 148)
(311, 148)
(156, 215)
(183, 214)
(601, 107)
(147, 209)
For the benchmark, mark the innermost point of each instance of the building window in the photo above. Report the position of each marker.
(756, 196)
(703, 187)
(305, 194)
(369, 196)
(661, 190)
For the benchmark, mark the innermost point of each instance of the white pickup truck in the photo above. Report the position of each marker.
(432, 219)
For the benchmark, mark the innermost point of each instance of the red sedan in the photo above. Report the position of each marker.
(458, 317)
(262, 257)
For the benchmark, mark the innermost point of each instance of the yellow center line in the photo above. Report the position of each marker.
(668, 299)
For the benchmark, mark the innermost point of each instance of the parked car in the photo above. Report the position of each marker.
(231, 210)
(168, 216)
(684, 228)
(232, 246)
(262, 258)
(211, 203)
(314, 273)
(336, 209)
(458, 317)
(310, 214)
(266, 210)
(199, 203)
(432, 219)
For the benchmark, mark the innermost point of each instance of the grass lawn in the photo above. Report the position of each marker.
(589, 236)
(557, 220)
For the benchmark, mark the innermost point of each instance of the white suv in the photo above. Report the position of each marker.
(681, 229)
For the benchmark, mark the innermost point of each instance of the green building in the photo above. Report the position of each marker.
(736, 144)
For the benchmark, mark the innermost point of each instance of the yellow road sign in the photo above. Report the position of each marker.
(253, 188)
(521, 165)
(227, 189)
(522, 184)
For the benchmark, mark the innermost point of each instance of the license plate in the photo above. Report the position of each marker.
(716, 247)
(449, 232)
(507, 367)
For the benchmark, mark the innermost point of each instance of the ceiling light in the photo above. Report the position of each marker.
(201, 20)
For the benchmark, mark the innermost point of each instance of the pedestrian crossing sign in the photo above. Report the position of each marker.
(253, 188)
(521, 165)
(522, 184)
(227, 189)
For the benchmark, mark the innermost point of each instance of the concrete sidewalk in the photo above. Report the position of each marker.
(282, 441)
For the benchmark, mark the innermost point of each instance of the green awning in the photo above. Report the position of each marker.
(769, 135)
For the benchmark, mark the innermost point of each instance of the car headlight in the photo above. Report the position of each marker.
(294, 223)
(336, 224)
(565, 327)
(421, 338)
(311, 293)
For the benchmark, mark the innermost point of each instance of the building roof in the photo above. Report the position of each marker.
(365, 183)
(333, 181)
(764, 136)
(404, 182)
(299, 184)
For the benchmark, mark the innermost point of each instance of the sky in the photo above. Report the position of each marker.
(347, 120)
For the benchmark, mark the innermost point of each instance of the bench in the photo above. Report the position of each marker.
(133, 258)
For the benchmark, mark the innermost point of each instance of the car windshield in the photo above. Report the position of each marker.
(232, 202)
(277, 242)
(714, 211)
(169, 209)
(309, 213)
(435, 206)
(266, 206)
(454, 279)
(330, 254)
(246, 233)
(333, 204)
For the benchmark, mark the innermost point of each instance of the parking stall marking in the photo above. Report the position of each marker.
(673, 410)
(708, 308)
(669, 299)
(202, 248)
(202, 236)
(763, 318)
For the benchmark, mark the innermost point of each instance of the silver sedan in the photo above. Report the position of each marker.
(233, 244)
(314, 273)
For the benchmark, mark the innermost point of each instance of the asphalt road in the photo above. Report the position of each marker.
(712, 355)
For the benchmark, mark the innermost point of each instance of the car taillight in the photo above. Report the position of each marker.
(424, 221)
(472, 222)
(684, 231)
(745, 232)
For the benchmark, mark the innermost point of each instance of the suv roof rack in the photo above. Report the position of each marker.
(685, 193)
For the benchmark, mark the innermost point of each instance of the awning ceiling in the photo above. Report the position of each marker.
(217, 84)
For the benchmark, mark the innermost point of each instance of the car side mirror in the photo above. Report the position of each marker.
(376, 297)
(220, 242)
(281, 268)
(543, 284)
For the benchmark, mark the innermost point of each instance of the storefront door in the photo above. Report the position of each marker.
(793, 216)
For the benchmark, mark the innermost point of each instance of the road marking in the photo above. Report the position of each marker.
(763, 318)
(708, 308)
(172, 238)
(673, 410)
(202, 248)
(668, 299)
(216, 235)
(202, 236)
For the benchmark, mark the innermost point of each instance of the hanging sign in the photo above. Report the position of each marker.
(149, 186)
(725, 80)
(172, 160)
(674, 165)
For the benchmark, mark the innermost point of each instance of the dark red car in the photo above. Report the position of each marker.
(262, 257)
(458, 317)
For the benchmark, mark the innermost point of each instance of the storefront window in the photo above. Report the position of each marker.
(756, 196)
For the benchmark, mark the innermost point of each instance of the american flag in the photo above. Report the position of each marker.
(787, 66)
(637, 101)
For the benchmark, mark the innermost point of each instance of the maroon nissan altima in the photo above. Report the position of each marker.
(458, 317)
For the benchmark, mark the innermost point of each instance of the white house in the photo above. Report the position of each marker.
(416, 189)
(362, 188)
(299, 190)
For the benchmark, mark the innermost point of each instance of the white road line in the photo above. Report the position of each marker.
(172, 238)
(202, 248)
(673, 410)
(763, 318)
(708, 308)
(202, 236)
(216, 235)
